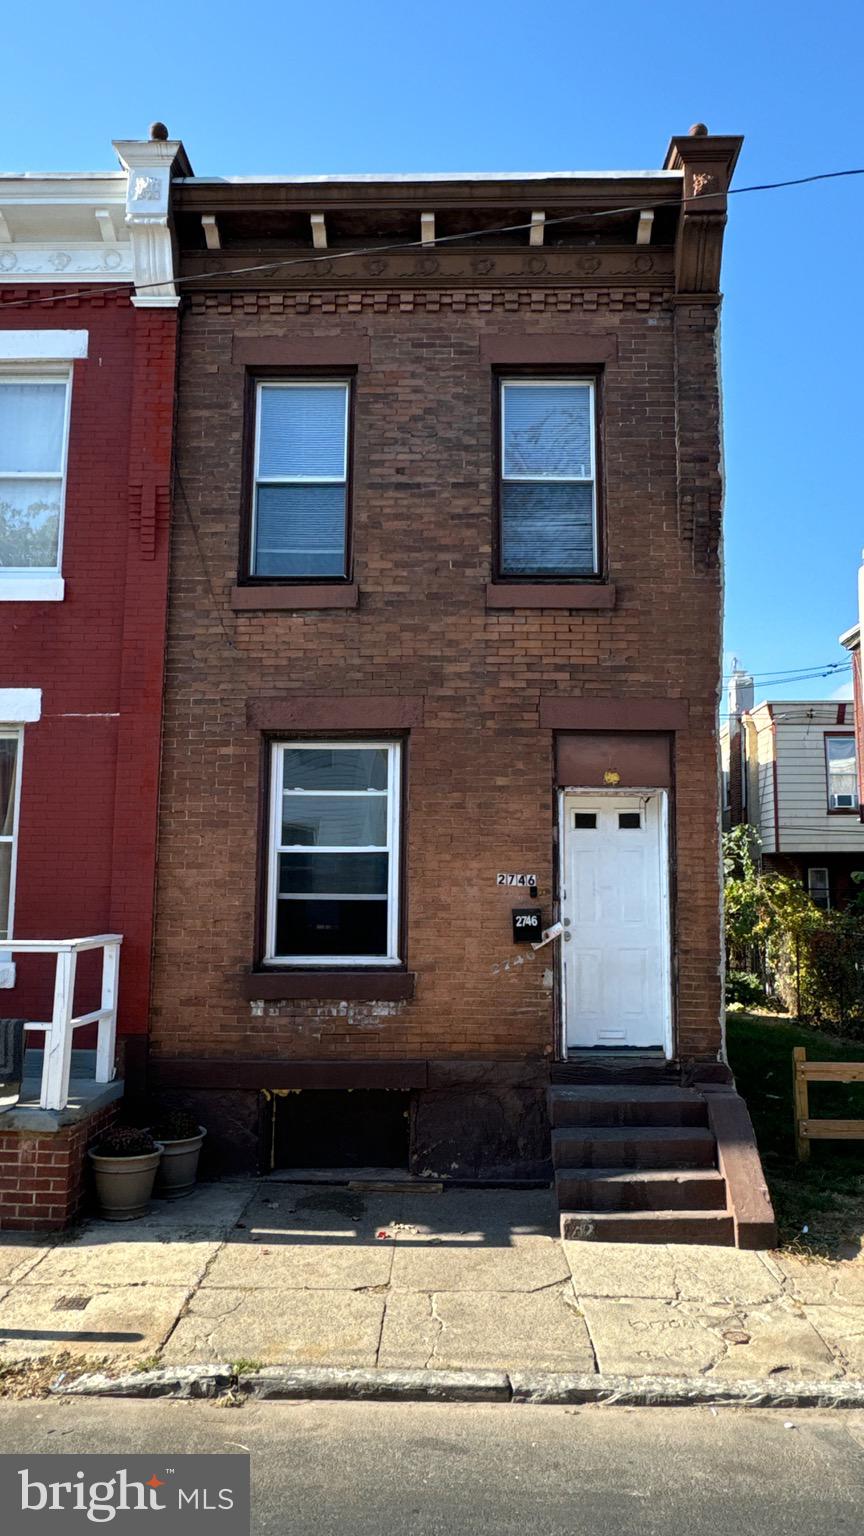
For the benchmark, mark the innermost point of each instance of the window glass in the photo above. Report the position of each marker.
(8, 776)
(299, 523)
(842, 773)
(32, 464)
(335, 854)
(548, 500)
(818, 886)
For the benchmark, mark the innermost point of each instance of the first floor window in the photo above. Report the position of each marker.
(334, 853)
(34, 416)
(300, 495)
(10, 757)
(548, 522)
(819, 887)
(842, 773)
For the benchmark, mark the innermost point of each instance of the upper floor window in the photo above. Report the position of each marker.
(300, 494)
(10, 753)
(34, 430)
(334, 854)
(842, 773)
(548, 503)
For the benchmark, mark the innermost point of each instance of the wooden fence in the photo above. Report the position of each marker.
(805, 1072)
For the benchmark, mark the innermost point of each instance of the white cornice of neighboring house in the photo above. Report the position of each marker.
(96, 227)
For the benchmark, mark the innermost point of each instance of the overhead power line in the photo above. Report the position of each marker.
(408, 245)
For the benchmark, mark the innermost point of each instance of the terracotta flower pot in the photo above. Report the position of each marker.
(124, 1184)
(179, 1166)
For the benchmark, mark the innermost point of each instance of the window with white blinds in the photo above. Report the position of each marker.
(299, 523)
(34, 421)
(10, 758)
(548, 480)
(842, 773)
(333, 885)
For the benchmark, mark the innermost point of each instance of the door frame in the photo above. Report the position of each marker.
(667, 927)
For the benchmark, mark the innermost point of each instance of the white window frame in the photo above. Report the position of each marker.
(298, 383)
(394, 777)
(848, 736)
(552, 381)
(7, 969)
(823, 890)
(42, 583)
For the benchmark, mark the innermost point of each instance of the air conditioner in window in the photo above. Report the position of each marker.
(844, 802)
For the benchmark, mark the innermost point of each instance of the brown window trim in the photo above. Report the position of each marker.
(257, 596)
(555, 594)
(352, 727)
(261, 375)
(372, 986)
(593, 373)
(836, 810)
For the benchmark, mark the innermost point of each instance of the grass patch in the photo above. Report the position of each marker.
(826, 1195)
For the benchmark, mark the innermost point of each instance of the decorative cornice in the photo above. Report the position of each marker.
(22, 263)
(430, 301)
(149, 165)
(708, 161)
(432, 268)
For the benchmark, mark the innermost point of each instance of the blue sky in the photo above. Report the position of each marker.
(497, 85)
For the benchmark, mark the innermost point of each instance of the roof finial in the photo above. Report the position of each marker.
(158, 131)
(698, 131)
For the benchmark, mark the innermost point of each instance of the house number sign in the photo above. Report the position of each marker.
(516, 880)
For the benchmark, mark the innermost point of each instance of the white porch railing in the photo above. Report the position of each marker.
(59, 1031)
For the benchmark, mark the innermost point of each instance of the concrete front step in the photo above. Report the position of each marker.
(635, 1189)
(633, 1146)
(595, 1105)
(715, 1227)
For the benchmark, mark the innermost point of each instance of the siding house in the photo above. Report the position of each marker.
(793, 775)
(441, 683)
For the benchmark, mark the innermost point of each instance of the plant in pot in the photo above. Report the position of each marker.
(181, 1138)
(124, 1166)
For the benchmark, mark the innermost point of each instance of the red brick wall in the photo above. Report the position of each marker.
(479, 769)
(43, 1178)
(86, 850)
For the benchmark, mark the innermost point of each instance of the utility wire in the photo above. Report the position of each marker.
(408, 245)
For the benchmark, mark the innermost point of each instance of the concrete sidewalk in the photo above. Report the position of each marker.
(263, 1272)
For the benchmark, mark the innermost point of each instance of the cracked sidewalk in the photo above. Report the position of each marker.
(268, 1272)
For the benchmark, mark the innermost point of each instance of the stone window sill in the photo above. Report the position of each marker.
(31, 589)
(563, 594)
(341, 986)
(337, 594)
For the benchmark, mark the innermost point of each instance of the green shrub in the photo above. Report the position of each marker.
(745, 988)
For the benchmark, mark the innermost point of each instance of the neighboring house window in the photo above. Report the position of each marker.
(334, 856)
(842, 773)
(10, 759)
(548, 512)
(300, 494)
(34, 430)
(819, 888)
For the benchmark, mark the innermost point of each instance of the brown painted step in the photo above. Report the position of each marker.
(633, 1146)
(639, 1189)
(714, 1227)
(592, 1105)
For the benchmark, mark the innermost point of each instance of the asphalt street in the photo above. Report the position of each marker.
(364, 1469)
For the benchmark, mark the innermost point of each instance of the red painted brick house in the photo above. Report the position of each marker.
(442, 676)
(88, 333)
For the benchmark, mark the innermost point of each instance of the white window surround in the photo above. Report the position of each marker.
(17, 584)
(43, 346)
(393, 794)
(7, 966)
(20, 706)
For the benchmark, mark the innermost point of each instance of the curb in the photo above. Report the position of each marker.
(276, 1383)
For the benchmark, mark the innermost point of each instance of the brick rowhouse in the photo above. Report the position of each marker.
(499, 692)
(81, 301)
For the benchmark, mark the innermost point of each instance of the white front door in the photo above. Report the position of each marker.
(615, 911)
